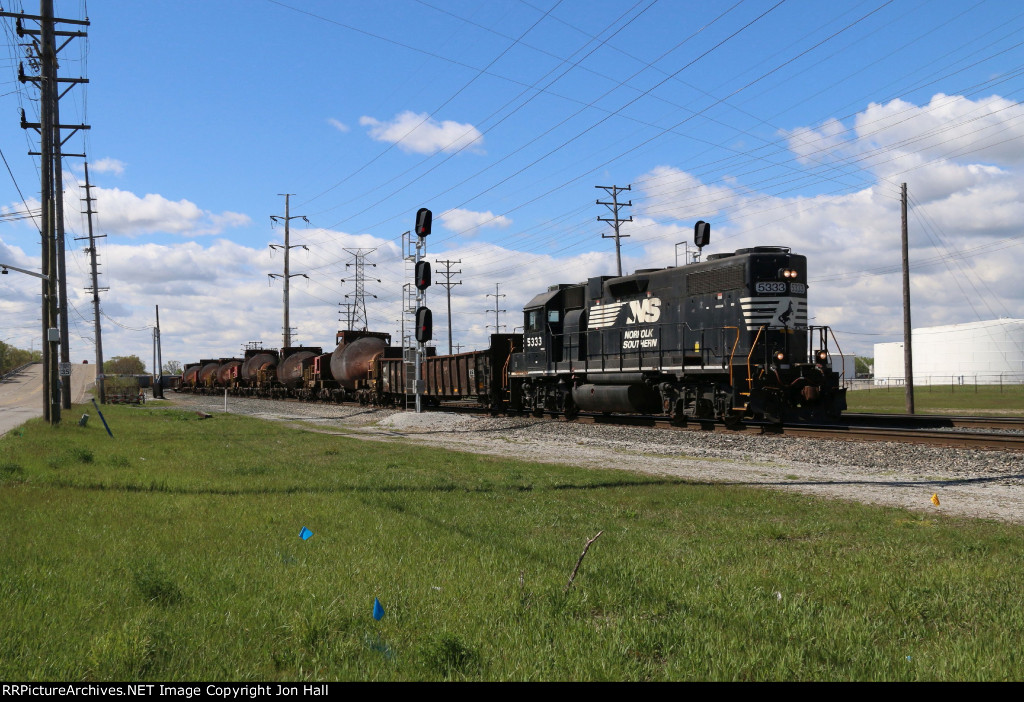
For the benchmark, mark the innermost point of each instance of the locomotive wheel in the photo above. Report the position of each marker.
(732, 419)
(704, 409)
(677, 417)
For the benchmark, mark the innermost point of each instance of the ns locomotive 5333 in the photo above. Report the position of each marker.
(725, 339)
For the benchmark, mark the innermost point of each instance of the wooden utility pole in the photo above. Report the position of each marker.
(48, 59)
(158, 390)
(614, 206)
(448, 285)
(908, 355)
(288, 275)
(95, 289)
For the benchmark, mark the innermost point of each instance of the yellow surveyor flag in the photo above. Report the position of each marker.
(935, 500)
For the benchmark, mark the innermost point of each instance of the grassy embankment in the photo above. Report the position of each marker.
(172, 552)
(1006, 400)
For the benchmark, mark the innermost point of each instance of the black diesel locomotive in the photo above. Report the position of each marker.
(724, 339)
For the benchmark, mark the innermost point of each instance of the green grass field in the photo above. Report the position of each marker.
(1007, 400)
(172, 552)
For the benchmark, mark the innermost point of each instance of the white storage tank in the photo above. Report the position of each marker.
(990, 352)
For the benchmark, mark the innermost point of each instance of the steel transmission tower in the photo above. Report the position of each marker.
(288, 275)
(358, 309)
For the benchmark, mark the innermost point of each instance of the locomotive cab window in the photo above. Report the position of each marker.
(533, 320)
(553, 316)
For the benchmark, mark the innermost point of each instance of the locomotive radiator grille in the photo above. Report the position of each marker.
(716, 280)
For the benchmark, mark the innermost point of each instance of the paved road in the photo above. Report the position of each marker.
(21, 395)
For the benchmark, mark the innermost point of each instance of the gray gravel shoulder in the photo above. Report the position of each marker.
(983, 484)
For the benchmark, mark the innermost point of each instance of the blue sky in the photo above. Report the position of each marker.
(787, 123)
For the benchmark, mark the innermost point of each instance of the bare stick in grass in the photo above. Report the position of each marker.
(585, 549)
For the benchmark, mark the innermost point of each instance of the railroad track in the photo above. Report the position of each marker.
(979, 440)
(858, 430)
(931, 421)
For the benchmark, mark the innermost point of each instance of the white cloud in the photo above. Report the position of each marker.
(813, 145)
(670, 193)
(123, 212)
(949, 126)
(108, 165)
(420, 133)
(467, 222)
(340, 126)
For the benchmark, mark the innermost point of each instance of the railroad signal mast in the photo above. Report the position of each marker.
(424, 318)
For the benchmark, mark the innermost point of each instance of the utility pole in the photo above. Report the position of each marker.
(346, 319)
(43, 53)
(908, 356)
(448, 285)
(614, 206)
(497, 304)
(288, 275)
(159, 361)
(359, 297)
(95, 289)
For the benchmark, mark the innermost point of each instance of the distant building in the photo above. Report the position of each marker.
(990, 352)
(845, 365)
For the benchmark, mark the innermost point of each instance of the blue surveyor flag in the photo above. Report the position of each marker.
(305, 533)
(378, 609)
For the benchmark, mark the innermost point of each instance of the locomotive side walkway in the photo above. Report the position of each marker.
(984, 484)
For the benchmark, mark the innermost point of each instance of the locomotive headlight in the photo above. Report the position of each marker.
(822, 355)
(787, 273)
(780, 356)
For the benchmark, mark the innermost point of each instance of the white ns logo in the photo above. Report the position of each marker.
(644, 311)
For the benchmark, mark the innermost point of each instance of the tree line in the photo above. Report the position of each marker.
(13, 357)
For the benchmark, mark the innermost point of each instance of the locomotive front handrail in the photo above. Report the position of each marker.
(733, 352)
(750, 376)
(841, 356)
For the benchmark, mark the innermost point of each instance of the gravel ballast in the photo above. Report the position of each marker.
(970, 483)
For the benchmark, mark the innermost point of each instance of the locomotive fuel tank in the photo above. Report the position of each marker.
(626, 399)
